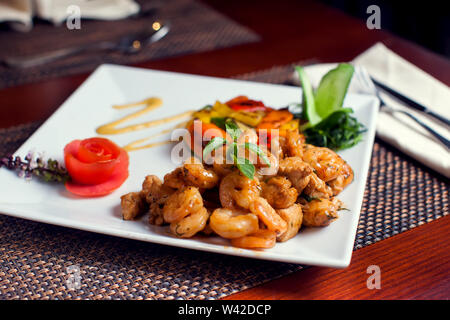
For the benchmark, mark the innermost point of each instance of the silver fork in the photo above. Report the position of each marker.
(365, 81)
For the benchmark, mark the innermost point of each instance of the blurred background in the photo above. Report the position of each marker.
(426, 23)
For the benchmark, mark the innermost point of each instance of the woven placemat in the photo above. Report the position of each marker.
(194, 28)
(37, 260)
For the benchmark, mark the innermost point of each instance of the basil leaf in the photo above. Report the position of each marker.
(232, 151)
(253, 147)
(309, 107)
(245, 166)
(332, 89)
(212, 145)
(232, 129)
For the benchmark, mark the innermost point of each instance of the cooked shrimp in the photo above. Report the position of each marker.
(278, 192)
(297, 171)
(293, 217)
(320, 212)
(317, 188)
(294, 143)
(326, 163)
(268, 215)
(237, 191)
(232, 224)
(261, 239)
(182, 203)
(190, 225)
(345, 177)
(265, 170)
(133, 204)
(195, 174)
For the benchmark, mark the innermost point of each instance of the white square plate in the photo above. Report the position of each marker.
(90, 106)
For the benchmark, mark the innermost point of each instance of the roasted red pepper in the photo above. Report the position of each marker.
(243, 103)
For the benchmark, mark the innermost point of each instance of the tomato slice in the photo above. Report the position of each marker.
(117, 178)
(97, 150)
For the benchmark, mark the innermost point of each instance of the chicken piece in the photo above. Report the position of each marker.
(133, 204)
(278, 192)
(345, 178)
(151, 188)
(320, 212)
(175, 179)
(297, 171)
(293, 217)
(317, 188)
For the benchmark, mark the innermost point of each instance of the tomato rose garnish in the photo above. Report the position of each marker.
(97, 166)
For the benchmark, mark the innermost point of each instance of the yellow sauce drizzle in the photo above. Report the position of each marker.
(135, 145)
(149, 105)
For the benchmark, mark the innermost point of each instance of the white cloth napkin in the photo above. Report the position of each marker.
(20, 13)
(395, 128)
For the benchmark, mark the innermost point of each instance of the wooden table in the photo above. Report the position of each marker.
(414, 264)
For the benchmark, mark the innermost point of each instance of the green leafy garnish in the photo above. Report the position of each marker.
(338, 131)
(212, 145)
(243, 164)
(329, 125)
(253, 147)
